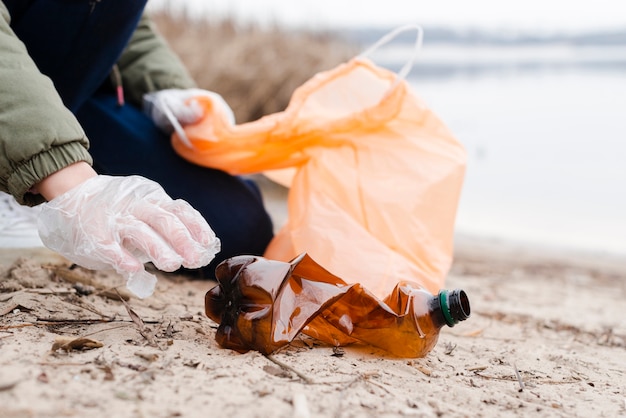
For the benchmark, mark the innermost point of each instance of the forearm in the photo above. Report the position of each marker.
(64, 180)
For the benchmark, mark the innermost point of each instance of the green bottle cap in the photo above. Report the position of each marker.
(454, 306)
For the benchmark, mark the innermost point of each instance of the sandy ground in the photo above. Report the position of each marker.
(546, 338)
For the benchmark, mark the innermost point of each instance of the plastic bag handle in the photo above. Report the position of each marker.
(180, 131)
(406, 68)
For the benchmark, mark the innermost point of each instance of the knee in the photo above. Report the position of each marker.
(240, 238)
(249, 233)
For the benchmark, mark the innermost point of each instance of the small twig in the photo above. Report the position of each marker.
(60, 321)
(139, 323)
(17, 326)
(54, 322)
(519, 378)
(449, 348)
(557, 382)
(543, 382)
(377, 384)
(88, 308)
(105, 329)
(287, 367)
(113, 293)
(49, 363)
(70, 321)
(300, 406)
(50, 291)
(484, 376)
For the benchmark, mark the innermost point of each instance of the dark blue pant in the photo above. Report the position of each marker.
(76, 43)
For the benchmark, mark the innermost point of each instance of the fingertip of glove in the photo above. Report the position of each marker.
(202, 254)
(141, 284)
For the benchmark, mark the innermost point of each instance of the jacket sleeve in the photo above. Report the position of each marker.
(148, 64)
(38, 134)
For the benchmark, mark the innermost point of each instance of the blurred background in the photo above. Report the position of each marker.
(535, 91)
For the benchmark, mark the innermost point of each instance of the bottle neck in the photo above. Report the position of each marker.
(449, 307)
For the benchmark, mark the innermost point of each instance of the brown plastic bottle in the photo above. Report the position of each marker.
(264, 304)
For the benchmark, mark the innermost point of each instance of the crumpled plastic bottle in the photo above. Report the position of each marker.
(263, 304)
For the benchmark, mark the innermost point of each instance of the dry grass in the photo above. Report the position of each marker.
(255, 70)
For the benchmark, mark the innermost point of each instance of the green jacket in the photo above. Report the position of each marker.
(38, 135)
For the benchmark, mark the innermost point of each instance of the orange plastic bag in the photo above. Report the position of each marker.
(375, 181)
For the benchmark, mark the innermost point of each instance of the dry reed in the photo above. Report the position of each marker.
(255, 70)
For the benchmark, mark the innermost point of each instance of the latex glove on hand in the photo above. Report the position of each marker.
(123, 222)
(172, 109)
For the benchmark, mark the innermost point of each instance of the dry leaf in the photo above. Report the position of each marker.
(141, 326)
(147, 356)
(108, 372)
(133, 315)
(424, 370)
(474, 333)
(8, 386)
(80, 343)
(8, 308)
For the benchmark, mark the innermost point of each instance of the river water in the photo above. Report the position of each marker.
(545, 132)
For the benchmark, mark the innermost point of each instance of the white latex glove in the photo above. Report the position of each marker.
(123, 222)
(171, 109)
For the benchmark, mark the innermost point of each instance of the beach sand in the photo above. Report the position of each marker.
(546, 337)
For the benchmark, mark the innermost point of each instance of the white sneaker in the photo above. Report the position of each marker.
(18, 224)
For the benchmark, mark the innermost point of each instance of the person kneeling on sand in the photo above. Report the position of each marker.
(88, 96)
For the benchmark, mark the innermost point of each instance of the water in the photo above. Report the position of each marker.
(546, 142)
